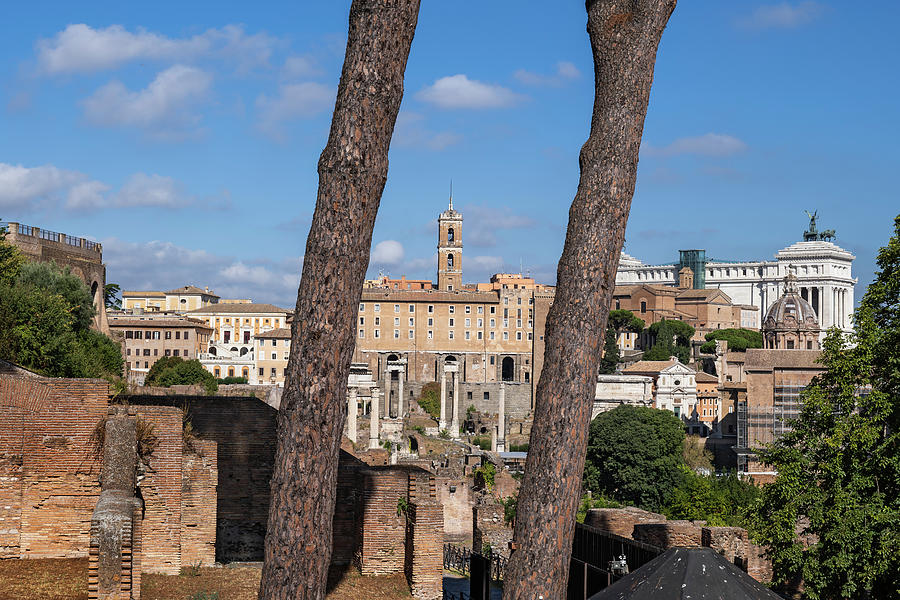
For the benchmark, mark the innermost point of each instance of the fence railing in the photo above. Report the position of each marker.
(52, 236)
(457, 558)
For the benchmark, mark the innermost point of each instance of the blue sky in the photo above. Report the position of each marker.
(185, 136)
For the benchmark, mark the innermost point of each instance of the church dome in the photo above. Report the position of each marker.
(791, 310)
(791, 322)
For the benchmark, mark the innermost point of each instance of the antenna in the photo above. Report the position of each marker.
(451, 193)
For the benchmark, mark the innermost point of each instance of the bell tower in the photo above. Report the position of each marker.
(450, 249)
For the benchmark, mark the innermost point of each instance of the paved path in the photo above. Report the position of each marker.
(454, 583)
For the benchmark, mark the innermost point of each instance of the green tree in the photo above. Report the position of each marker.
(634, 455)
(839, 468)
(738, 339)
(673, 338)
(610, 353)
(718, 500)
(624, 321)
(430, 399)
(619, 321)
(10, 260)
(112, 296)
(174, 370)
(52, 279)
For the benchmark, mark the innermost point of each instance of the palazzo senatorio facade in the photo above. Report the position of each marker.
(475, 333)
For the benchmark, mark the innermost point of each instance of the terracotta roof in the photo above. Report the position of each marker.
(240, 308)
(142, 293)
(132, 321)
(191, 289)
(389, 295)
(649, 366)
(704, 377)
(766, 359)
(280, 333)
(708, 294)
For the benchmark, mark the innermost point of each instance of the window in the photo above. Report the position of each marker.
(412, 322)
(493, 310)
(362, 320)
(168, 352)
(262, 372)
(468, 395)
(468, 337)
(146, 351)
(450, 234)
(396, 308)
(518, 313)
(377, 320)
(505, 335)
(430, 335)
(518, 322)
(412, 308)
(530, 336)
(491, 336)
(449, 261)
(790, 344)
(377, 308)
(487, 395)
(468, 322)
(506, 322)
(128, 352)
(643, 306)
(431, 308)
(362, 333)
(480, 322)
(506, 300)
(505, 313)
(175, 352)
(362, 307)
(493, 323)
(492, 360)
(451, 323)
(185, 335)
(168, 335)
(452, 309)
(396, 321)
(519, 300)
(156, 352)
(129, 335)
(274, 356)
(450, 335)
(396, 334)
(411, 335)
(177, 335)
(480, 310)
(148, 335)
(480, 335)
(430, 322)
(519, 335)
(468, 309)
(377, 333)
(274, 371)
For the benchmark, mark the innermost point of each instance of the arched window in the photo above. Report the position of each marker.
(449, 261)
(507, 369)
(217, 373)
(643, 306)
(245, 372)
(450, 235)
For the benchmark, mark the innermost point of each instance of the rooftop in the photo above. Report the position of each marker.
(192, 289)
(251, 308)
(280, 333)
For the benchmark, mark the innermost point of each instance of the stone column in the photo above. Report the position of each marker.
(373, 421)
(454, 423)
(501, 420)
(352, 409)
(442, 424)
(400, 374)
(387, 393)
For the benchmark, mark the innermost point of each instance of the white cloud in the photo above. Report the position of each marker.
(710, 144)
(24, 187)
(298, 67)
(151, 190)
(296, 100)
(565, 71)
(486, 222)
(786, 15)
(80, 48)
(160, 265)
(458, 91)
(161, 109)
(412, 132)
(387, 253)
(47, 187)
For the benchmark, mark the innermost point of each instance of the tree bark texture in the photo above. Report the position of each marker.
(624, 37)
(352, 173)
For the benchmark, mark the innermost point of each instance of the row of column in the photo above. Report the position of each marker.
(454, 423)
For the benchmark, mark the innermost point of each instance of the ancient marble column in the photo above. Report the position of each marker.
(387, 393)
(352, 409)
(501, 420)
(442, 424)
(373, 421)
(454, 423)
(400, 394)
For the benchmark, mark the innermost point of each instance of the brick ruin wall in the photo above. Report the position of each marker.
(244, 431)
(489, 528)
(457, 505)
(654, 529)
(49, 475)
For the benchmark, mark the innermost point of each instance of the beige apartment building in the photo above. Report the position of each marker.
(146, 338)
(181, 300)
(272, 350)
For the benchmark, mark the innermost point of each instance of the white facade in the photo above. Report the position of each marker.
(614, 390)
(676, 390)
(823, 272)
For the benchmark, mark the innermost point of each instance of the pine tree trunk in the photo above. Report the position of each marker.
(352, 174)
(624, 37)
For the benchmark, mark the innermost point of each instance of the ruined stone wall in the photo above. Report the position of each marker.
(382, 532)
(48, 471)
(488, 527)
(457, 508)
(244, 430)
(620, 521)
(199, 479)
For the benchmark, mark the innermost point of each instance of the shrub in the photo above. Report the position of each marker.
(430, 399)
